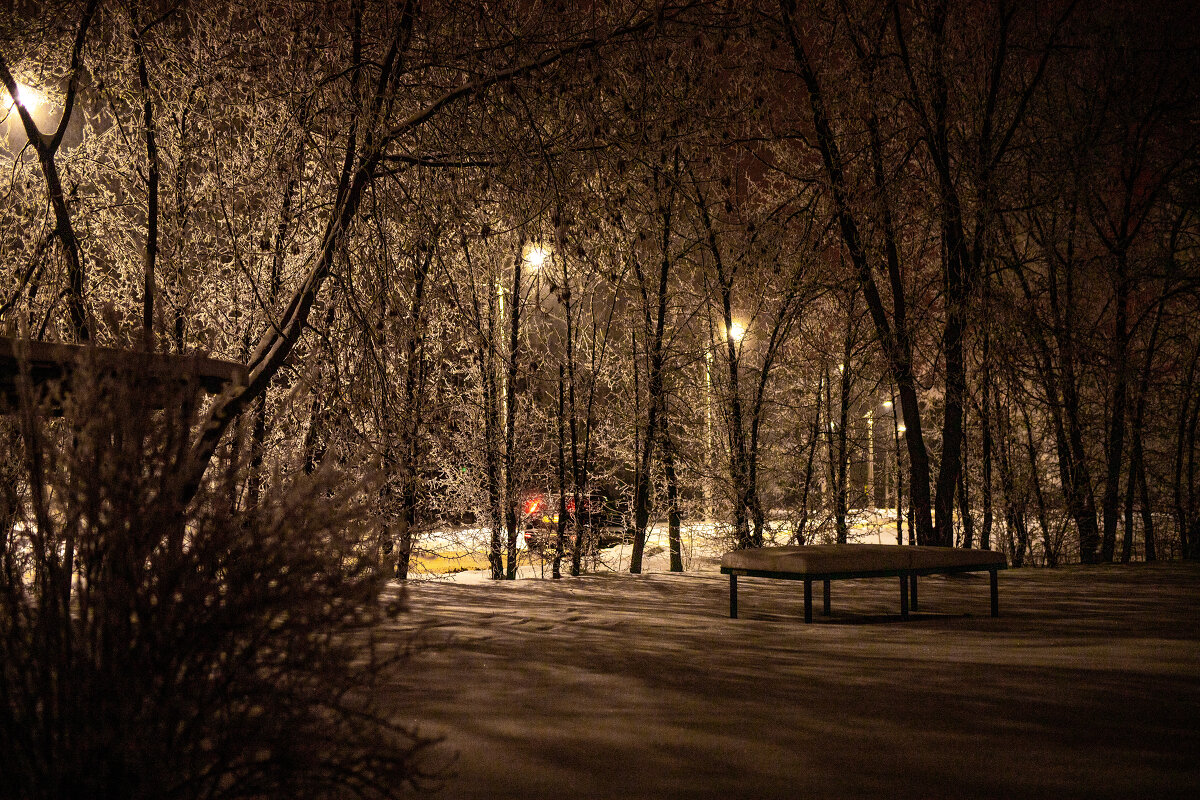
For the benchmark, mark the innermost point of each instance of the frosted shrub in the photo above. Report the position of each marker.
(155, 648)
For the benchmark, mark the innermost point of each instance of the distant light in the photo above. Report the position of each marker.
(841, 367)
(736, 331)
(901, 428)
(536, 256)
(887, 403)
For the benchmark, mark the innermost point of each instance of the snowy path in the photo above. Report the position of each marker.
(619, 686)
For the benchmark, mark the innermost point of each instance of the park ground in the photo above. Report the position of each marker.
(612, 685)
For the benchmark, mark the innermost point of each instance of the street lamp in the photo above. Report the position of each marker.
(870, 484)
(870, 418)
(29, 97)
(34, 103)
(735, 332)
(535, 256)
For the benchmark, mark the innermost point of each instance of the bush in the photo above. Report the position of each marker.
(155, 648)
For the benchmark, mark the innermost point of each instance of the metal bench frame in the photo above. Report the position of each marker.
(908, 583)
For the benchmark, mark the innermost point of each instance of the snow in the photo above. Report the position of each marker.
(612, 685)
(702, 545)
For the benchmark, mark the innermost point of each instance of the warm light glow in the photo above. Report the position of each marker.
(841, 367)
(536, 255)
(900, 428)
(887, 403)
(31, 98)
(736, 331)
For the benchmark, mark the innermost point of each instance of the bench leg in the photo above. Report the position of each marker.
(808, 601)
(904, 595)
(995, 593)
(912, 590)
(733, 596)
(825, 609)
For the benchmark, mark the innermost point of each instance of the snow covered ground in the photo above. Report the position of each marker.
(460, 555)
(612, 685)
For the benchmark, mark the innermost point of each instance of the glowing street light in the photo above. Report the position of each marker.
(29, 97)
(736, 331)
(12, 129)
(536, 255)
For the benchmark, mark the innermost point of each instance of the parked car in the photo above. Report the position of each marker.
(605, 522)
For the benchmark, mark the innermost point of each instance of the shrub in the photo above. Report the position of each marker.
(155, 648)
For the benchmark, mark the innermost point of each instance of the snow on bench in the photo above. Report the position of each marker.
(830, 562)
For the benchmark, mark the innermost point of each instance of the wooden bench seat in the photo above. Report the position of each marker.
(830, 562)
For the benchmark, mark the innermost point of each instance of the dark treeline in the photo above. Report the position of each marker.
(775, 264)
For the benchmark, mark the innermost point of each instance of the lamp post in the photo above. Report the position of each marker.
(534, 257)
(898, 428)
(708, 429)
(870, 482)
(736, 332)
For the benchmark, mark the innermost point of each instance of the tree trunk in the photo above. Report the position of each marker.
(985, 423)
(643, 492)
(510, 418)
(1127, 531)
(841, 480)
(1116, 429)
(492, 456)
(1073, 472)
(411, 444)
(1016, 531)
(319, 418)
(560, 528)
(673, 517)
(1151, 549)
(894, 339)
(964, 504)
(1137, 466)
(656, 402)
(734, 414)
(814, 440)
(1050, 545)
(258, 438)
(153, 176)
(899, 482)
(578, 468)
(1187, 390)
(1191, 542)
(952, 423)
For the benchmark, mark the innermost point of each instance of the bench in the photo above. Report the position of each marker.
(830, 562)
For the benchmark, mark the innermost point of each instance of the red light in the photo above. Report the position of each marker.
(533, 505)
